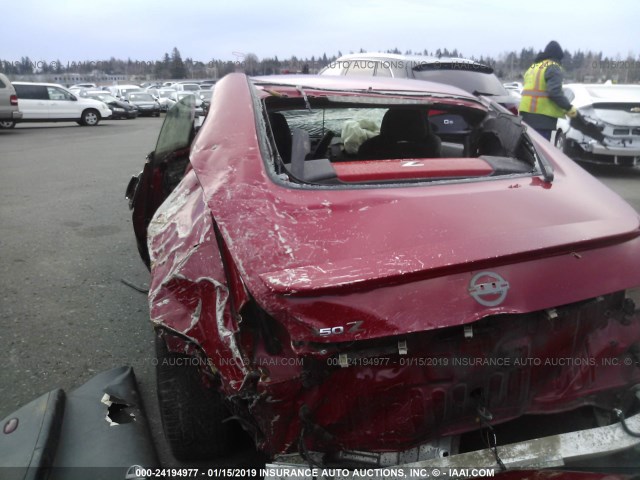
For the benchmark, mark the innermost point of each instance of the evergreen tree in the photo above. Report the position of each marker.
(177, 69)
(26, 66)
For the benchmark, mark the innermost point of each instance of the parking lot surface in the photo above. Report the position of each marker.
(66, 246)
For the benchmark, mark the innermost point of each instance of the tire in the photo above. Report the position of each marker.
(192, 415)
(560, 141)
(90, 118)
(7, 124)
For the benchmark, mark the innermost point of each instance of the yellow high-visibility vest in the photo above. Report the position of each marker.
(535, 98)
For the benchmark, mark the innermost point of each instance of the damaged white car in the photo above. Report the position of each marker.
(607, 129)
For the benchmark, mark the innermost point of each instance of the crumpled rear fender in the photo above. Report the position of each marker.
(189, 294)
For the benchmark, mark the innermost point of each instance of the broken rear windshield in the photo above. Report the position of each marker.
(349, 141)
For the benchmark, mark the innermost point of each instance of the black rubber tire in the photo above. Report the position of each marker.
(90, 118)
(192, 415)
(560, 142)
(7, 124)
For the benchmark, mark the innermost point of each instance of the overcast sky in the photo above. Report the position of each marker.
(74, 30)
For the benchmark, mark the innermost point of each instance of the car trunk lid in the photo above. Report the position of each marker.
(441, 229)
(625, 114)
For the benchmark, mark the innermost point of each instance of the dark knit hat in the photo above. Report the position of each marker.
(553, 51)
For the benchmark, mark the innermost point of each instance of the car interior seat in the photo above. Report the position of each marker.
(404, 133)
(281, 135)
(490, 144)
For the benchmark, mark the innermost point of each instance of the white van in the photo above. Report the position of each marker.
(9, 112)
(49, 102)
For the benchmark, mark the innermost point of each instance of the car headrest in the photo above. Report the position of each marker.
(405, 125)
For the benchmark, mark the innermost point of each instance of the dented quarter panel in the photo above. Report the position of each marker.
(188, 292)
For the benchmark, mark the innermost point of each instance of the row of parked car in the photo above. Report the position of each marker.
(164, 94)
(609, 112)
(87, 104)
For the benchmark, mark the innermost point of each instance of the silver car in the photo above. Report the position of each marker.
(9, 111)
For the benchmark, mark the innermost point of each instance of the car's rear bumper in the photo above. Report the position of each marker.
(601, 156)
(431, 385)
(622, 161)
(540, 453)
(10, 115)
(144, 110)
(614, 152)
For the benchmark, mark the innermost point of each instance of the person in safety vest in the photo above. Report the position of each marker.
(542, 100)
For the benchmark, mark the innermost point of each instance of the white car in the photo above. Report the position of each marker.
(466, 74)
(513, 86)
(49, 102)
(614, 112)
(177, 96)
(186, 87)
(83, 85)
(121, 91)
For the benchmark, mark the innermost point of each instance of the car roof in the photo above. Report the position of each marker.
(406, 58)
(363, 84)
(40, 84)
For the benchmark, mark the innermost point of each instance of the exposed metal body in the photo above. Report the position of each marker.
(522, 459)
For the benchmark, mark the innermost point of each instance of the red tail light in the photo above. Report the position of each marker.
(13, 99)
(513, 109)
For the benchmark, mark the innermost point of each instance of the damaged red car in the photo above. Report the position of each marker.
(339, 279)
